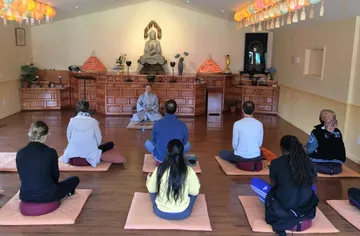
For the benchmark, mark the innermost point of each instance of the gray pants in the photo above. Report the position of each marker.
(231, 157)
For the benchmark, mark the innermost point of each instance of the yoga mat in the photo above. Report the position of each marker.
(141, 216)
(346, 173)
(145, 125)
(66, 214)
(255, 213)
(150, 164)
(103, 166)
(347, 211)
(8, 162)
(231, 169)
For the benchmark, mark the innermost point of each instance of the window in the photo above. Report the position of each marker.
(314, 63)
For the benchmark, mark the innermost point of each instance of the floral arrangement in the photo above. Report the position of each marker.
(270, 71)
(181, 57)
(121, 60)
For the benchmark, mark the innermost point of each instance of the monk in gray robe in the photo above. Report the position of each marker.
(147, 107)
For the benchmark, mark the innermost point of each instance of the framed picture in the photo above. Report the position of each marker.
(20, 37)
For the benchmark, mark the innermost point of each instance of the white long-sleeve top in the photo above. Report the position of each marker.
(84, 137)
(248, 136)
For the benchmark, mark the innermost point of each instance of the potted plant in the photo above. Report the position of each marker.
(28, 75)
(181, 62)
(233, 105)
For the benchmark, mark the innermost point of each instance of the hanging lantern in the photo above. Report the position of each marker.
(322, 8)
(303, 14)
(277, 24)
(289, 19)
(7, 4)
(313, 1)
(1, 4)
(312, 13)
(283, 20)
(292, 4)
(295, 17)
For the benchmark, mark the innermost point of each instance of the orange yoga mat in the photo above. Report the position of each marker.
(255, 213)
(150, 164)
(141, 216)
(231, 169)
(66, 214)
(8, 162)
(347, 211)
(145, 125)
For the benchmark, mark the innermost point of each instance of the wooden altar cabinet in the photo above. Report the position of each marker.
(111, 94)
(217, 86)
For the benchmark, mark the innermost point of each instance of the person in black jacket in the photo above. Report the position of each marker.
(37, 165)
(291, 198)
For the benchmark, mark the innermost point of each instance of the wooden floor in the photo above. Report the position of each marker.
(106, 210)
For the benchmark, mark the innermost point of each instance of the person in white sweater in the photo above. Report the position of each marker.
(247, 138)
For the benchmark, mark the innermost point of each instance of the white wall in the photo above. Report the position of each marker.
(11, 58)
(121, 30)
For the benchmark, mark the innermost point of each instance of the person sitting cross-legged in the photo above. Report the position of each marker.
(326, 146)
(166, 129)
(247, 138)
(290, 200)
(173, 186)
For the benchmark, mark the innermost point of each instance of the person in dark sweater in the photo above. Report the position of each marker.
(165, 130)
(290, 199)
(37, 165)
(326, 146)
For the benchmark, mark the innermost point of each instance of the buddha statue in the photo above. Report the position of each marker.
(152, 52)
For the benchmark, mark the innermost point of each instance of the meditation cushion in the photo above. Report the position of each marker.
(354, 197)
(191, 160)
(250, 165)
(158, 163)
(38, 209)
(302, 226)
(329, 168)
(78, 161)
(267, 154)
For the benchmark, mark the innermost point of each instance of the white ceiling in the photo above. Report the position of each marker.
(334, 9)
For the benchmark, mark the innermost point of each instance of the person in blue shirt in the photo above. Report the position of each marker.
(165, 130)
(325, 144)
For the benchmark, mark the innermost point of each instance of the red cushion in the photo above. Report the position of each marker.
(250, 165)
(306, 224)
(78, 161)
(38, 209)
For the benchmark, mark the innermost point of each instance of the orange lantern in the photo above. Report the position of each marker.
(31, 5)
(1, 4)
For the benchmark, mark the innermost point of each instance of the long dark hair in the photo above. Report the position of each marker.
(175, 163)
(302, 169)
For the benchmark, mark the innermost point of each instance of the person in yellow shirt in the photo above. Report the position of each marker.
(173, 186)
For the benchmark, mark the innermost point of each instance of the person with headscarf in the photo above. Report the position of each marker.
(326, 146)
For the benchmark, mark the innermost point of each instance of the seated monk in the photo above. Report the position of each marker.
(247, 138)
(166, 129)
(147, 107)
(290, 200)
(326, 145)
(152, 52)
(84, 137)
(37, 165)
(173, 186)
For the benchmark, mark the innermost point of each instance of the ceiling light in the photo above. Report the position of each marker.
(76, 7)
(222, 11)
(187, 1)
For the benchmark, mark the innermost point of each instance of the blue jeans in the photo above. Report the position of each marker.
(262, 188)
(150, 147)
(173, 216)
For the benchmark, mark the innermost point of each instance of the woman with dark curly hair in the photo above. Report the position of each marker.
(290, 200)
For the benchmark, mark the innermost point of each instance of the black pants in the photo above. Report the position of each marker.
(231, 157)
(67, 187)
(106, 146)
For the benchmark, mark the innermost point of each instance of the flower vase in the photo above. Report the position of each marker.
(180, 67)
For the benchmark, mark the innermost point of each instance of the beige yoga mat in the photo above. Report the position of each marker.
(231, 169)
(150, 164)
(141, 216)
(346, 173)
(103, 166)
(347, 211)
(8, 162)
(66, 214)
(255, 213)
(145, 125)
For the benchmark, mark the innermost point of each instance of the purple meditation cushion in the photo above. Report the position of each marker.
(306, 224)
(38, 209)
(78, 161)
(250, 165)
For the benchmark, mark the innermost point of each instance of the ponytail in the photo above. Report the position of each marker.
(302, 168)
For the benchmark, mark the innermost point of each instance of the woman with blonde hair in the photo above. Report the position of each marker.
(37, 165)
(326, 146)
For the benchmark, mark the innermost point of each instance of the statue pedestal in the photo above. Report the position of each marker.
(156, 69)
